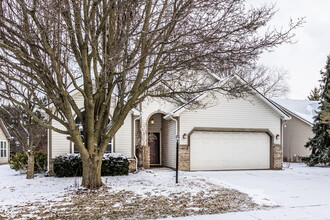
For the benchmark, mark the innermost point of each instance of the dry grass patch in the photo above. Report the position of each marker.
(146, 200)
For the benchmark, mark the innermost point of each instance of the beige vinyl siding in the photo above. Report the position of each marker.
(296, 134)
(168, 143)
(123, 138)
(60, 144)
(79, 99)
(4, 139)
(2, 135)
(233, 113)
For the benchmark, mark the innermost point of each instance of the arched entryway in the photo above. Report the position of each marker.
(155, 139)
(154, 143)
(160, 150)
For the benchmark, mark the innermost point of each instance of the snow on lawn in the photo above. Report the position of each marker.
(148, 194)
(302, 192)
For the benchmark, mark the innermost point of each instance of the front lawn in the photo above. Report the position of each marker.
(148, 194)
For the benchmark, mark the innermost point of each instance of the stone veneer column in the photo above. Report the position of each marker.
(146, 157)
(184, 157)
(277, 157)
(51, 165)
(132, 165)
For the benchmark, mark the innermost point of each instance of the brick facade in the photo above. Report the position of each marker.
(184, 157)
(277, 157)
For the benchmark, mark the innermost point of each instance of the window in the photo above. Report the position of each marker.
(75, 150)
(107, 150)
(3, 149)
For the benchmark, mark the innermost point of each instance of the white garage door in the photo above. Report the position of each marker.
(229, 150)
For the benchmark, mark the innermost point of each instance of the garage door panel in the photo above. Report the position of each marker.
(229, 150)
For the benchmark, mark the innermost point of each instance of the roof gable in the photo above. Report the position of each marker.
(267, 102)
(4, 129)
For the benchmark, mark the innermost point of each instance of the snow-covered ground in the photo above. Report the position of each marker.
(300, 192)
(148, 194)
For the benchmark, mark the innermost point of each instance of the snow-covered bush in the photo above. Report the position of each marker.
(113, 164)
(68, 165)
(20, 160)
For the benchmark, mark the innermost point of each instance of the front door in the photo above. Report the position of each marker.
(154, 145)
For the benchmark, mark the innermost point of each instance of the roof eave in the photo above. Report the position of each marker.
(5, 130)
(296, 116)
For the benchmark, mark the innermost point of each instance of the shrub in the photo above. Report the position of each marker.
(20, 161)
(40, 161)
(114, 164)
(68, 165)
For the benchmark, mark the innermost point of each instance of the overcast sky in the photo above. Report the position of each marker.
(307, 57)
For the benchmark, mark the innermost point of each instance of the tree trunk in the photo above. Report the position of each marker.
(30, 166)
(92, 173)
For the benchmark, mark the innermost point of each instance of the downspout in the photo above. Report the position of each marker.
(134, 147)
(48, 151)
(176, 125)
(177, 149)
(285, 121)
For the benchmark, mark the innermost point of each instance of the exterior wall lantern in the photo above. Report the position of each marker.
(152, 121)
(184, 136)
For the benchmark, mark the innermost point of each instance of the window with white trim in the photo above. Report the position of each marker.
(75, 150)
(107, 150)
(3, 148)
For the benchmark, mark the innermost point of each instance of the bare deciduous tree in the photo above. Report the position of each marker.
(127, 48)
(23, 126)
(271, 82)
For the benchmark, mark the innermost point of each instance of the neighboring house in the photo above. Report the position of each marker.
(4, 143)
(298, 130)
(231, 134)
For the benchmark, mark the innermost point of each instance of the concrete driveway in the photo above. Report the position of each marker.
(302, 192)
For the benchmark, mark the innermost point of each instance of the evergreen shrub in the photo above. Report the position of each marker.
(20, 161)
(68, 165)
